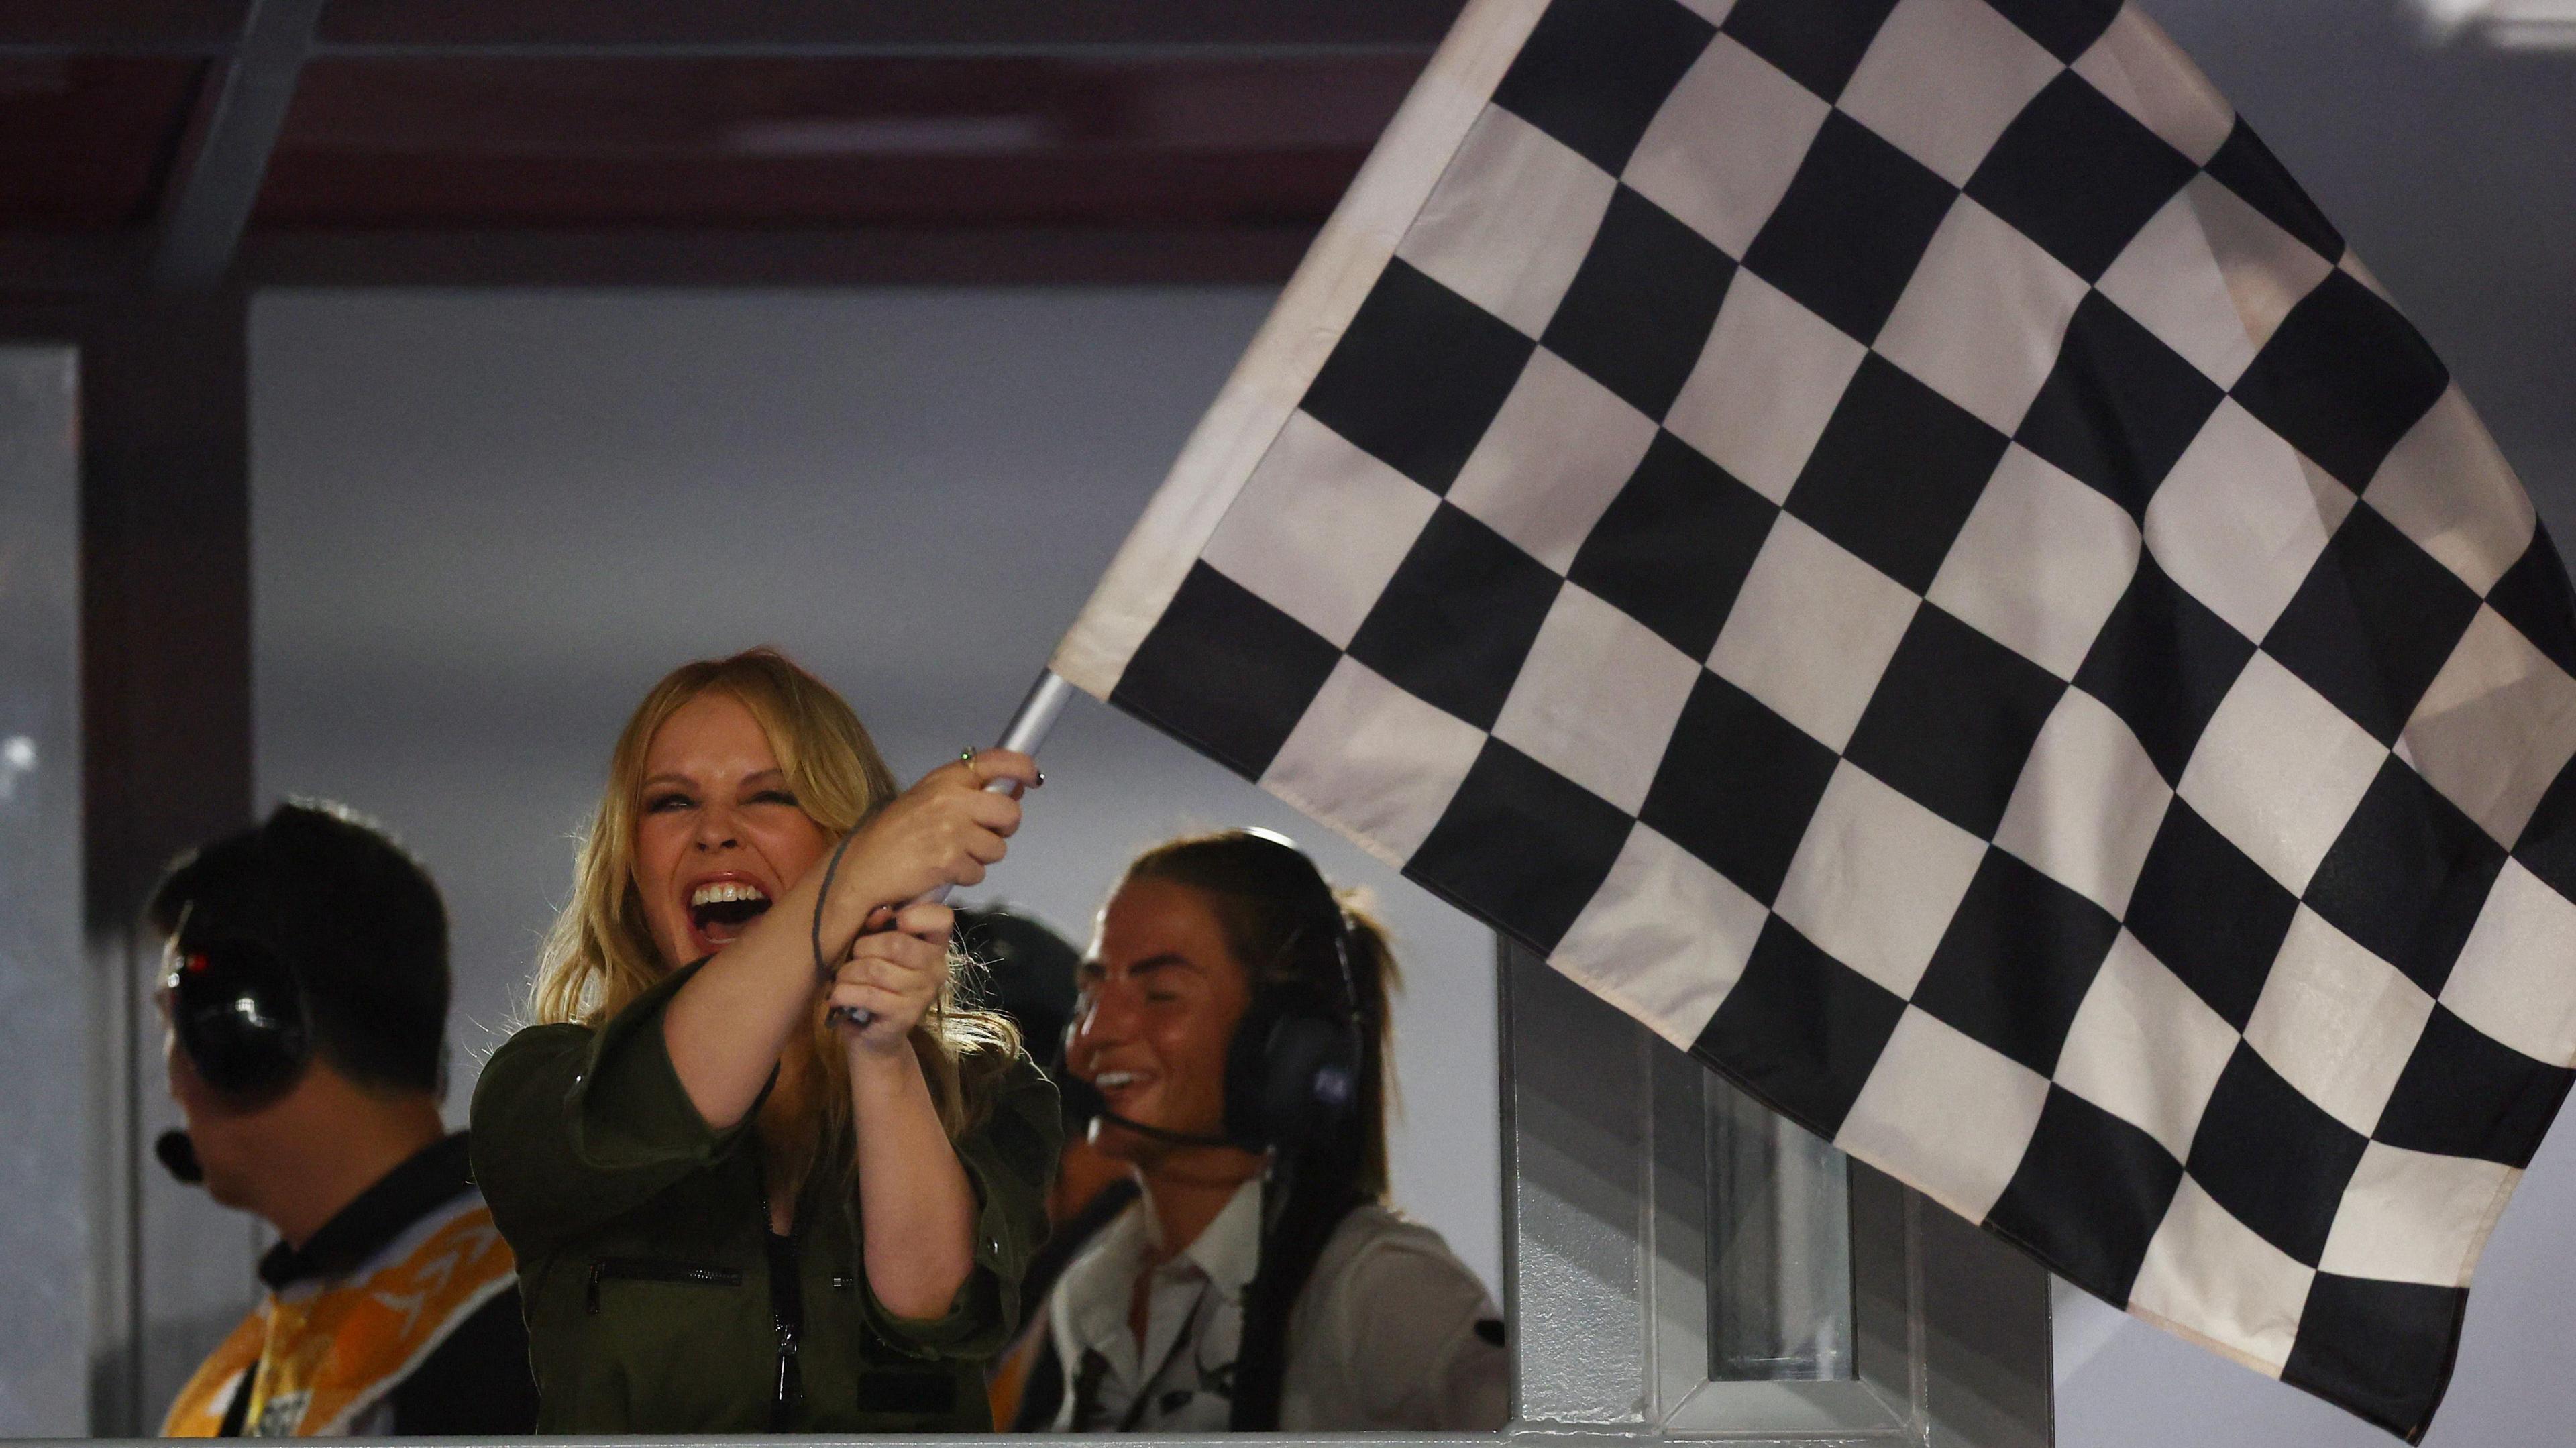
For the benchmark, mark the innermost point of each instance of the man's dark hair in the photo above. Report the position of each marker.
(352, 914)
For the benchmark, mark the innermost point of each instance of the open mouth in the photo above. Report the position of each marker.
(1122, 1089)
(720, 909)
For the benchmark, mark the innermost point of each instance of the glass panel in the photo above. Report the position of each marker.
(45, 1026)
(1780, 1292)
(1779, 1286)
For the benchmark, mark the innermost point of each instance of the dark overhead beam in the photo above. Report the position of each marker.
(35, 265)
(1001, 256)
(755, 49)
(203, 226)
(118, 27)
(745, 27)
(883, 26)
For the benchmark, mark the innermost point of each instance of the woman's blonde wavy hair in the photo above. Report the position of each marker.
(600, 954)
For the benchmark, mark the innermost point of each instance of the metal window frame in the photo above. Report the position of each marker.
(1606, 1133)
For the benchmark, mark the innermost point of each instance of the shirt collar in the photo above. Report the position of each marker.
(428, 1178)
(1093, 1290)
(1096, 1285)
(1229, 1251)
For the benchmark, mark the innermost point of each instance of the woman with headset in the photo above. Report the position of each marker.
(735, 1208)
(1234, 1025)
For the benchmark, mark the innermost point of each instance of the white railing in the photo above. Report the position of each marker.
(2507, 24)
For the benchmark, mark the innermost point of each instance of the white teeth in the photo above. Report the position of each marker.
(1112, 1080)
(724, 892)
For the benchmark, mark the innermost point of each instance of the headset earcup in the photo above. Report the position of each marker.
(1247, 1074)
(1291, 1073)
(241, 1021)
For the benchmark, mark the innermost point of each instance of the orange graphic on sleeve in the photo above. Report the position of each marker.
(324, 1353)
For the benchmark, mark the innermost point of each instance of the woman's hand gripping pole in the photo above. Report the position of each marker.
(1028, 729)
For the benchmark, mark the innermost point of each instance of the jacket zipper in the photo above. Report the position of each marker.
(647, 1269)
(786, 1317)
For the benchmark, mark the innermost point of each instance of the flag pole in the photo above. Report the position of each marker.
(1035, 718)
(1030, 724)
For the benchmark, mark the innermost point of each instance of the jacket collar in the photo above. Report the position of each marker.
(429, 1178)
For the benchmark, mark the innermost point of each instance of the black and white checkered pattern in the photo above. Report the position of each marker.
(1893, 542)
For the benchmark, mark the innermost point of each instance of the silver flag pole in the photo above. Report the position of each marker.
(1030, 724)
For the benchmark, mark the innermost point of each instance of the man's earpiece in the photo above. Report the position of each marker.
(239, 1014)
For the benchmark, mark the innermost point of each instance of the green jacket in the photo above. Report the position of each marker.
(645, 1257)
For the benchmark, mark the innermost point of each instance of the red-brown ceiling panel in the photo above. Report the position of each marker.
(523, 141)
(851, 24)
(123, 27)
(86, 142)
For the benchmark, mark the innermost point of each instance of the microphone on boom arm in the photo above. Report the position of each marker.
(1156, 1133)
(178, 1155)
(1084, 1100)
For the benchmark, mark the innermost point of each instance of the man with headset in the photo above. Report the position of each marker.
(1233, 1030)
(305, 984)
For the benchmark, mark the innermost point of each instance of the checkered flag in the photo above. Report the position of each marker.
(1890, 540)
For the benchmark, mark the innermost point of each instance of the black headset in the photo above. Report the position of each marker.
(240, 1014)
(1293, 1068)
(1292, 1071)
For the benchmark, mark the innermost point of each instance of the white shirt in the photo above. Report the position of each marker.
(1391, 1331)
